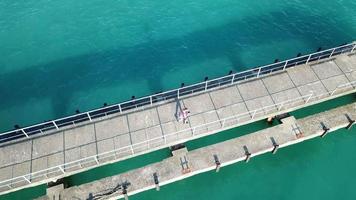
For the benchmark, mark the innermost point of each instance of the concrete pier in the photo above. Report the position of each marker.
(86, 145)
(205, 159)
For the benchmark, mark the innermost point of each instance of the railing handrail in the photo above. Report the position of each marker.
(257, 69)
(131, 147)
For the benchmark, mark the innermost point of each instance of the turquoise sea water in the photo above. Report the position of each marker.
(59, 56)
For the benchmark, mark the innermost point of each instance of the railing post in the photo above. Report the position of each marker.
(23, 131)
(165, 139)
(54, 123)
(178, 93)
(89, 116)
(223, 123)
(120, 108)
(253, 115)
(206, 85)
(308, 59)
(28, 180)
(151, 100)
(258, 73)
(233, 78)
(332, 93)
(332, 53)
(280, 107)
(309, 97)
(61, 168)
(132, 151)
(353, 49)
(193, 131)
(285, 65)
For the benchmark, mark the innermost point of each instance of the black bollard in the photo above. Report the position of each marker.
(325, 129)
(230, 72)
(299, 54)
(155, 179)
(276, 60)
(351, 122)
(182, 85)
(133, 97)
(77, 111)
(319, 49)
(217, 163)
(16, 126)
(247, 153)
(275, 145)
(105, 104)
(206, 78)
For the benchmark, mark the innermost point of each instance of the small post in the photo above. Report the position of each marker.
(96, 160)
(275, 145)
(280, 107)
(61, 168)
(217, 163)
(23, 131)
(151, 100)
(332, 53)
(206, 85)
(285, 65)
(120, 108)
(28, 180)
(178, 93)
(247, 153)
(155, 179)
(124, 192)
(309, 97)
(325, 129)
(233, 79)
(54, 123)
(353, 49)
(259, 71)
(351, 122)
(308, 59)
(253, 115)
(89, 116)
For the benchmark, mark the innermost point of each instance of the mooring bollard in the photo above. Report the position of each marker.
(275, 145)
(325, 129)
(217, 163)
(248, 154)
(155, 179)
(351, 122)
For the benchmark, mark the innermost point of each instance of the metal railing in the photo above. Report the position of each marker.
(234, 120)
(173, 94)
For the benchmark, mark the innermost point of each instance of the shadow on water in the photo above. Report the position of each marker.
(59, 80)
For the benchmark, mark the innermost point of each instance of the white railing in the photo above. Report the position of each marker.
(173, 94)
(60, 170)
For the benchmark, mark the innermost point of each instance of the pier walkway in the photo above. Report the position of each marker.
(184, 164)
(239, 99)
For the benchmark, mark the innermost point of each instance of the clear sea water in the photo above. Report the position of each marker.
(60, 56)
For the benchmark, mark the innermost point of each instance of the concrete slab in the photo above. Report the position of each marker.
(278, 82)
(110, 128)
(302, 75)
(79, 136)
(123, 140)
(176, 130)
(316, 88)
(106, 146)
(47, 145)
(332, 83)
(169, 112)
(198, 104)
(346, 63)
(238, 110)
(288, 95)
(204, 118)
(225, 97)
(5, 173)
(143, 119)
(15, 153)
(260, 103)
(326, 69)
(252, 89)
